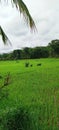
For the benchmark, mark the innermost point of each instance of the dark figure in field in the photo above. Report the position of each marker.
(39, 64)
(31, 65)
(26, 64)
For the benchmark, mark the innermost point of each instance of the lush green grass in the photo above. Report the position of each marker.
(36, 88)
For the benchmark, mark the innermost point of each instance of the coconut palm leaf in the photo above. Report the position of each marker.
(24, 10)
(4, 37)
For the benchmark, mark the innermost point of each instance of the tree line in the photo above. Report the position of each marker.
(52, 50)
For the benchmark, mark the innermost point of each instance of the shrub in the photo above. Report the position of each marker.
(19, 119)
(27, 64)
(31, 65)
(39, 64)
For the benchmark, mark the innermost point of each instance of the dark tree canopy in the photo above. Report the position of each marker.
(55, 47)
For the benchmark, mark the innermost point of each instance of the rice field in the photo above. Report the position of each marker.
(34, 87)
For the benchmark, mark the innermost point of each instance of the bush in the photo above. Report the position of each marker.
(27, 64)
(18, 120)
(31, 65)
(39, 64)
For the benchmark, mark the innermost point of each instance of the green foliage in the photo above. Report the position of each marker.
(3, 94)
(35, 89)
(39, 64)
(19, 119)
(52, 50)
(27, 53)
(39, 52)
(3, 90)
(54, 45)
(16, 54)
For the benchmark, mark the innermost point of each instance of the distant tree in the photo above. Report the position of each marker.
(20, 5)
(37, 52)
(44, 52)
(26, 52)
(54, 47)
(16, 54)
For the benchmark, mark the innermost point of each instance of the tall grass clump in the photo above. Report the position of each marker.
(3, 90)
(18, 119)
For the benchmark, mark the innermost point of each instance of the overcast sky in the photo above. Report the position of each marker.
(46, 16)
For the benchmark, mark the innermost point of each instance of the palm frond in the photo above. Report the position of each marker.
(4, 37)
(24, 10)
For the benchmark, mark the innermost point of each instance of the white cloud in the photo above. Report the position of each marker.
(46, 16)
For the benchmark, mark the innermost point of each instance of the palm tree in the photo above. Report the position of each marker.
(20, 5)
